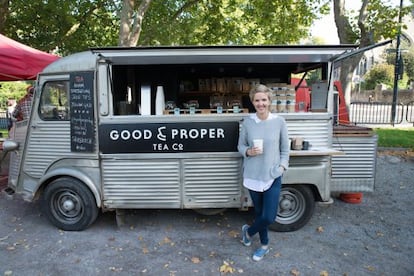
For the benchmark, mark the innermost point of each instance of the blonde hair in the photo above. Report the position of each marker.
(260, 88)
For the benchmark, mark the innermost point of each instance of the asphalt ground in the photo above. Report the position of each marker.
(374, 237)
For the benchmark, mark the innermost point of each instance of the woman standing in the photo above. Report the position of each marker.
(263, 166)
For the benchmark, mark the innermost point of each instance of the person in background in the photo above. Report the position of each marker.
(24, 105)
(11, 104)
(264, 166)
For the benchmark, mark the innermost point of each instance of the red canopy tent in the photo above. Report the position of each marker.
(21, 62)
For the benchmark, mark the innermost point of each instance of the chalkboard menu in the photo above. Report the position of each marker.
(82, 130)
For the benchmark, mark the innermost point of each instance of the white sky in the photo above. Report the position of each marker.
(325, 27)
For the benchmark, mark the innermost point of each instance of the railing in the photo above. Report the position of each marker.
(4, 120)
(409, 113)
(376, 113)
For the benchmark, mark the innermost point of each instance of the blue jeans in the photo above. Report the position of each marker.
(265, 210)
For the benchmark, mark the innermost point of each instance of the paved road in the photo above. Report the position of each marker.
(375, 237)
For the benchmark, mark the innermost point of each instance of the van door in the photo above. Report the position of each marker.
(48, 131)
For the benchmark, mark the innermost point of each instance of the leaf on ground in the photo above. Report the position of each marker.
(370, 268)
(145, 250)
(320, 229)
(4, 238)
(234, 234)
(195, 260)
(277, 255)
(226, 268)
(324, 273)
(115, 269)
(167, 240)
(295, 272)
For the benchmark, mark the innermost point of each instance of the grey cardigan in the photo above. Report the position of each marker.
(276, 144)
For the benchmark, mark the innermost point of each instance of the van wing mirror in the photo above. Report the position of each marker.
(9, 145)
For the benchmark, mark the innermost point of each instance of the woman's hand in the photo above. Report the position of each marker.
(253, 151)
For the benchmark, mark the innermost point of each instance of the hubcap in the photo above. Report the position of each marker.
(68, 205)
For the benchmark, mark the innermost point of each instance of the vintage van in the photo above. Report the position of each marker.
(157, 127)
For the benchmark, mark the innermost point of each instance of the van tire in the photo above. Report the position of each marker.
(296, 207)
(69, 204)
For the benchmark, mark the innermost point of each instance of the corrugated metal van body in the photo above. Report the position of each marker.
(315, 128)
(204, 180)
(164, 182)
(355, 170)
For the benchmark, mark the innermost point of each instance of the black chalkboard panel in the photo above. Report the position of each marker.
(82, 123)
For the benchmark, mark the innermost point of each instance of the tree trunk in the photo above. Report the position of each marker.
(131, 21)
(4, 11)
(348, 36)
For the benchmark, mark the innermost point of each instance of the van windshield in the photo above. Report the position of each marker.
(54, 104)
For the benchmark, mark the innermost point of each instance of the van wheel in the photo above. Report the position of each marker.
(296, 207)
(69, 204)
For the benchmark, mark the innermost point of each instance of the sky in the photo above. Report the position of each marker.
(325, 27)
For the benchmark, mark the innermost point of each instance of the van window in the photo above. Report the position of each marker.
(54, 103)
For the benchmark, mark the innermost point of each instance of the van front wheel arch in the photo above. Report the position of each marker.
(296, 207)
(69, 204)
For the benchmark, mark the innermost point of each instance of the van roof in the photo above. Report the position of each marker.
(222, 54)
(307, 55)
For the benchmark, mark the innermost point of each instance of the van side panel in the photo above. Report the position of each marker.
(195, 182)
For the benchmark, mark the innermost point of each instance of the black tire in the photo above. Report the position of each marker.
(296, 207)
(69, 204)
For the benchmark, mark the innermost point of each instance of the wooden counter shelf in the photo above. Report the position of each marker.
(206, 111)
(316, 152)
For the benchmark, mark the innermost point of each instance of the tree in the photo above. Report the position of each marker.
(4, 7)
(71, 26)
(408, 60)
(131, 21)
(229, 22)
(61, 25)
(12, 90)
(375, 21)
(379, 74)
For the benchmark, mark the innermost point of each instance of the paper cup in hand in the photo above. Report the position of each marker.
(259, 144)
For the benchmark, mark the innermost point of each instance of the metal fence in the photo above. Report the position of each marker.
(4, 120)
(379, 113)
(409, 113)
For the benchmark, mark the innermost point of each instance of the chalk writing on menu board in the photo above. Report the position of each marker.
(82, 130)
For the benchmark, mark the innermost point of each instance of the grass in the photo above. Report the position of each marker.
(4, 133)
(395, 138)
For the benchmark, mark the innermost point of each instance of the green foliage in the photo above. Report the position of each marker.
(72, 26)
(12, 90)
(408, 59)
(235, 22)
(63, 26)
(382, 73)
(380, 21)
